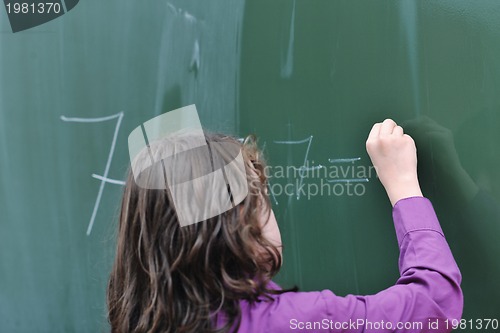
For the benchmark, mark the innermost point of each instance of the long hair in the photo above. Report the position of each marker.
(168, 278)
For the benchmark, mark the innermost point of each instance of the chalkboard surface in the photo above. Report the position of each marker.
(309, 78)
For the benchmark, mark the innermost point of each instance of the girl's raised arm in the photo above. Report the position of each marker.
(427, 296)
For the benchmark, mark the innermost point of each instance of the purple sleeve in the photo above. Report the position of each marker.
(428, 290)
(425, 296)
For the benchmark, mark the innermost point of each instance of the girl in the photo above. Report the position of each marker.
(215, 276)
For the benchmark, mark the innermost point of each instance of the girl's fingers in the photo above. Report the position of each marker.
(409, 138)
(374, 133)
(387, 127)
(398, 130)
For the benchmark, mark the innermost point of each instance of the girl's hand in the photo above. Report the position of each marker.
(394, 157)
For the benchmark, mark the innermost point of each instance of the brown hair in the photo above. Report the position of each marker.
(168, 278)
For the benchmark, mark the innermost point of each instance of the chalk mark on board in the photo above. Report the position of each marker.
(293, 142)
(346, 180)
(188, 16)
(172, 7)
(104, 178)
(287, 66)
(352, 180)
(304, 167)
(109, 180)
(344, 160)
(194, 66)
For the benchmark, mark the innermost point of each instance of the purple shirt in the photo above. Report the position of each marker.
(426, 298)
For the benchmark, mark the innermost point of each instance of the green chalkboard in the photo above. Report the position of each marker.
(309, 78)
